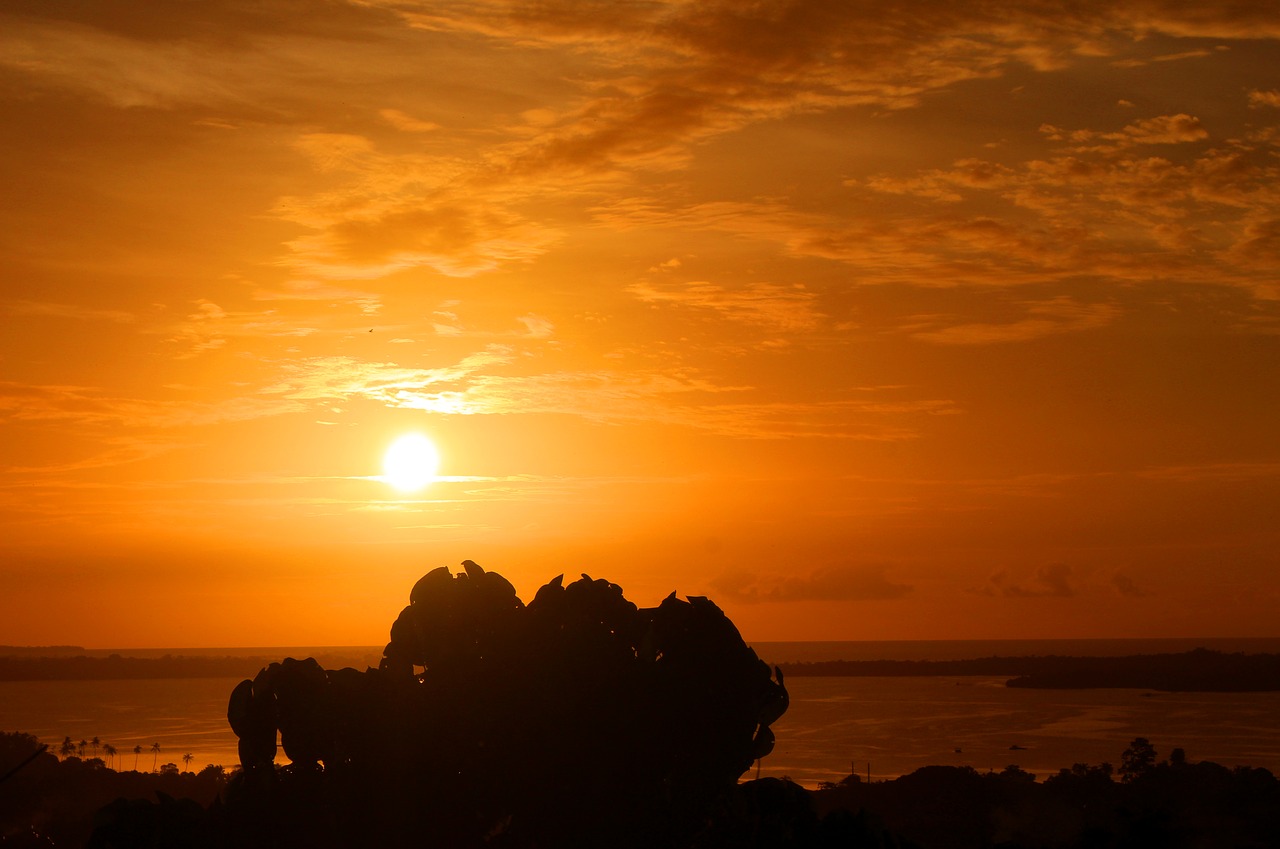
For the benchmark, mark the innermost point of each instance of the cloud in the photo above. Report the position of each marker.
(838, 582)
(1126, 587)
(1264, 98)
(489, 383)
(392, 212)
(841, 419)
(71, 311)
(651, 84)
(406, 123)
(1096, 207)
(1259, 242)
(246, 60)
(304, 290)
(536, 327)
(94, 407)
(1162, 129)
(664, 79)
(783, 308)
(210, 326)
(1051, 317)
(1051, 581)
(1214, 472)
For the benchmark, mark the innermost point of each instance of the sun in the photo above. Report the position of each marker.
(410, 463)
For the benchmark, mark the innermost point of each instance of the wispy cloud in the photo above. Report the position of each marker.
(1127, 587)
(91, 406)
(668, 78)
(407, 123)
(1214, 472)
(782, 308)
(1051, 581)
(393, 212)
(1158, 130)
(838, 582)
(1047, 318)
(479, 385)
(208, 55)
(45, 309)
(209, 327)
(1264, 98)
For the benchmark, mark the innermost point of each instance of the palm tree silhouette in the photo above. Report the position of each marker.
(187, 759)
(155, 755)
(110, 751)
(137, 750)
(96, 744)
(81, 746)
(67, 749)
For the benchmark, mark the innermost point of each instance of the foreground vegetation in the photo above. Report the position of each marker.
(49, 801)
(1173, 803)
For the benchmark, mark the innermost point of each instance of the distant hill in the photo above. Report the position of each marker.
(115, 666)
(40, 651)
(1199, 670)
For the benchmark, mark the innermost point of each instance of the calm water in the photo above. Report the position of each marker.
(894, 724)
(182, 715)
(901, 724)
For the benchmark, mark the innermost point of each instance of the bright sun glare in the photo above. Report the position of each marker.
(410, 463)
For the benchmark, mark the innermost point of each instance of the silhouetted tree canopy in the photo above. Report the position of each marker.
(578, 719)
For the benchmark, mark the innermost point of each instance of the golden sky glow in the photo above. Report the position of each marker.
(869, 321)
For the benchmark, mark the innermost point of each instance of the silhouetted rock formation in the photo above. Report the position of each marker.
(576, 720)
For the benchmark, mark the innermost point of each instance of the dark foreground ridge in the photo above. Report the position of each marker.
(1173, 804)
(1199, 670)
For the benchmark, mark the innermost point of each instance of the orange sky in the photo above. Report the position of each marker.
(870, 321)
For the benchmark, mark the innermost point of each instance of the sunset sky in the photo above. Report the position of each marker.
(917, 320)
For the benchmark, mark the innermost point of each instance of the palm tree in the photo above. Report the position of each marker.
(187, 759)
(96, 744)
(155, 755)
(110, 751)
(67, 749)
(137, 750)
(81, 746)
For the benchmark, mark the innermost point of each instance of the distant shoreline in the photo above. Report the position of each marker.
(1198, 670)
(119, 667)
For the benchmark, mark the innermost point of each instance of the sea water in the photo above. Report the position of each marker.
(893, 726)
(888, 726)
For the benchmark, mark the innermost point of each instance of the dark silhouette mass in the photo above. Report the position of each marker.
(578, 719)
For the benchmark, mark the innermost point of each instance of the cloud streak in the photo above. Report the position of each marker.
(1051, 581)
(837, 582)
(767, 305)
